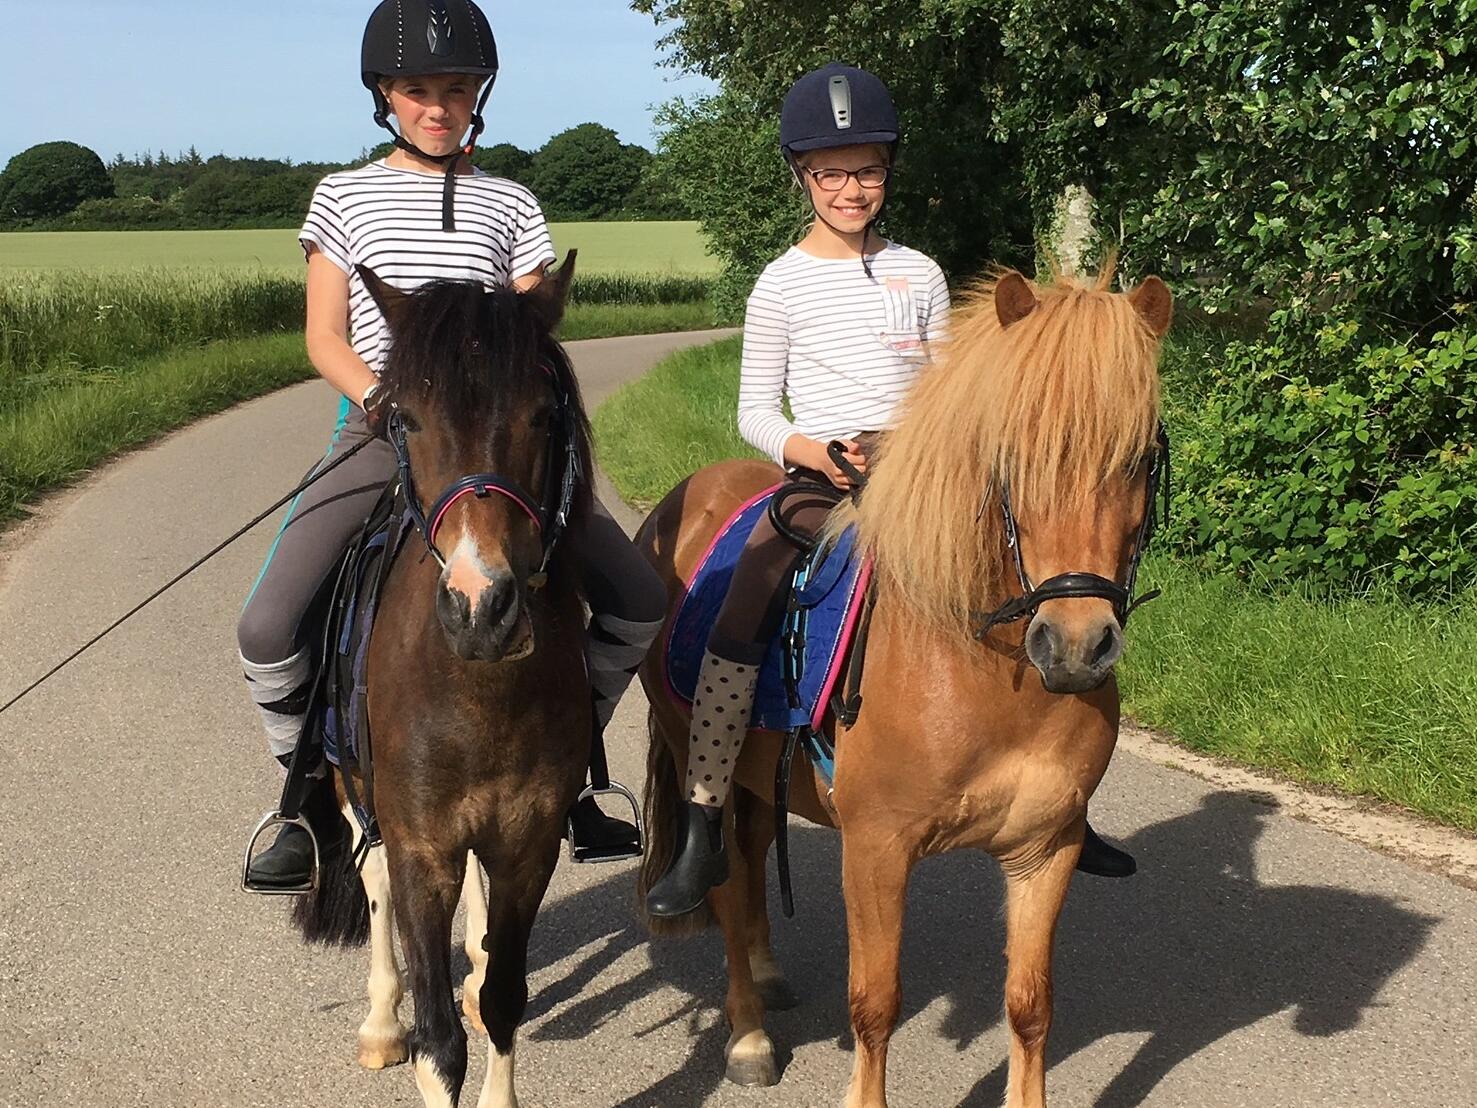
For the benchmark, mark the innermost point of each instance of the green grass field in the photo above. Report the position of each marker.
(1366, 694)
(654, 248)
(111, 339)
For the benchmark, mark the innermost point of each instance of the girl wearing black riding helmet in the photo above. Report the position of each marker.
(420, 214)
(839, 325)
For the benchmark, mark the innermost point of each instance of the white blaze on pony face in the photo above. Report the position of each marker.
(466, 572)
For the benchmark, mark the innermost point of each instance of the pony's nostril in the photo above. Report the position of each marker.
(1041, 644)
(1108, 647)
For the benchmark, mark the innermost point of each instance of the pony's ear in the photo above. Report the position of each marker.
(1014, 299)
(551, 294)
(392, 302)
(1154, 304)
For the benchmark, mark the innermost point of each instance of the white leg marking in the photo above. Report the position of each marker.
(497, 1087)
(428, 1081)
(381, 1038)
(475, 898)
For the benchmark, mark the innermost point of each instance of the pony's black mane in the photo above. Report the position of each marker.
(462, 353)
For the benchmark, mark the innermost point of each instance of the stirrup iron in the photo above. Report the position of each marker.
(622, 853)
(272, 819)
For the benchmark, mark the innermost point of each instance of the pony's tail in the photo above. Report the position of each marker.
(336, 913)
(662, 797)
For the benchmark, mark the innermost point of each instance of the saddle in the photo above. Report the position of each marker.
(800, 680)
(341, 719)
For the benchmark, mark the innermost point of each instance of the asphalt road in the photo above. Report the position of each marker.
(1254, 961)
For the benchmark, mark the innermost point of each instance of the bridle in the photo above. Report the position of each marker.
(563, 472)
(1076, 584)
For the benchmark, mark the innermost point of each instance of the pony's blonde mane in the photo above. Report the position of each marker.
(1054, 404)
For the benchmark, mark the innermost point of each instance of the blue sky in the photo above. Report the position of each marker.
(273, 78)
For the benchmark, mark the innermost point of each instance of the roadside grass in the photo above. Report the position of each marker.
(56, 422)
(678, 418)
(64, 431)
(608, 247)
(1366, 694)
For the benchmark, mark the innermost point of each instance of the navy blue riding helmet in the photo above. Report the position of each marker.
(838, 105)
(417, 38)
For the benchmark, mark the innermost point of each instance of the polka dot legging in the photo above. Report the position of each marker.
(720, 719)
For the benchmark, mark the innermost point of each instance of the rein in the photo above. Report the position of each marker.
(1076, 584)
(177, 578)
(549, 519)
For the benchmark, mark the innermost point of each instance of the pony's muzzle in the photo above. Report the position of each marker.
(482, 611)
(1073, 659)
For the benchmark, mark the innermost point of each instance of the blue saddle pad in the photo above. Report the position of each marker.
(833, 594)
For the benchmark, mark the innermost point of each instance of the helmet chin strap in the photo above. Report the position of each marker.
(451, 161)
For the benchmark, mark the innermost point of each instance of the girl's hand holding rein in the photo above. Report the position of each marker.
(808, 453)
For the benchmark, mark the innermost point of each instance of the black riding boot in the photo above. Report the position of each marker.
(1102, 859)
(287, 863)
(597, 835)
(701, 863)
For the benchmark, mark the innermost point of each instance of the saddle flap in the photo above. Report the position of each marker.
(833, 609)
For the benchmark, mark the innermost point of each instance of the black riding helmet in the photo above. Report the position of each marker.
(415, 38)
(838, 105)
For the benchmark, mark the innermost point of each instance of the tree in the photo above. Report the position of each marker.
(50, 180)
(584, 172)
(504, 160)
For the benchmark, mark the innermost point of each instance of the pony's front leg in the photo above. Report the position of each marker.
(475, 898)
(517, 889)
(1033, 901)
(750, 1051)
(381, 1036)
(428, 882)
(874, 880)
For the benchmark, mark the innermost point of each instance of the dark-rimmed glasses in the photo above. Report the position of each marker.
(834, 180)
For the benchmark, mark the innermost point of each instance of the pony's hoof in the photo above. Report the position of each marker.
(753, 1072)
(751, 1061)
(381, 1051)
(777, 994)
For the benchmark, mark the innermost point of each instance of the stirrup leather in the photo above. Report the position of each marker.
(622, 853)
(272, 819)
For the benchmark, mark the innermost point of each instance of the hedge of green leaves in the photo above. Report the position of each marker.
(1319, 455)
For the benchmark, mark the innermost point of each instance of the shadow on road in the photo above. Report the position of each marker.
(1191, 950)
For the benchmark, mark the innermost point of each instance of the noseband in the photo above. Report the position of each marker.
(1076, 585)
(562, 475)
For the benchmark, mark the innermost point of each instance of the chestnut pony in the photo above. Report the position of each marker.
(481, 735)
(1035, 431)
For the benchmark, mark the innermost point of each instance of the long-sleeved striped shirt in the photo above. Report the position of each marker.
(389, 219)
(843, 348)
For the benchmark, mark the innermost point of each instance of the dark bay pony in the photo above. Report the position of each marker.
(1035, 432)
(481, 735)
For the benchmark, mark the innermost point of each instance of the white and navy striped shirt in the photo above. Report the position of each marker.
(390, 220)
(842, 347)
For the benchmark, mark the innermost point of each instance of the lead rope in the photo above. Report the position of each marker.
(181, 576)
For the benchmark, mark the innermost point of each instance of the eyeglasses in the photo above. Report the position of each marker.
(834, 180)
